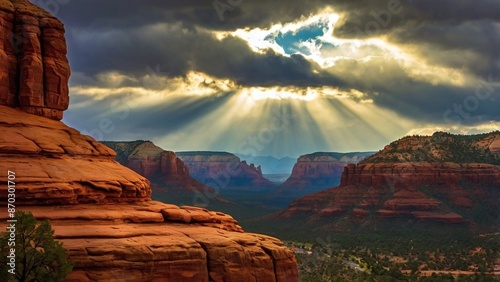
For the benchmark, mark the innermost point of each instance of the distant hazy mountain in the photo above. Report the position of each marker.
(223, 170)
(270, 164)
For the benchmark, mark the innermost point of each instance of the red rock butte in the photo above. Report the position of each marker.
(101, 211)
(159, 166)
(34, 72)
(321, 170)
(405, 178)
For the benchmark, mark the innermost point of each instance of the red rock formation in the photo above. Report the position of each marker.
(60, 175)
(223, 170)
(321, 170)
(389, 189)
(148, 241)
(160, 166)
(55, 164)
(419, 174)
(34, 72)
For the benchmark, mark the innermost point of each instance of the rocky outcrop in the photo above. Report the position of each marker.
(222, 170)
(154, 163)
(100, 210)
(152, 241)
(34, 72)
(400, 175)
(122, 235)
(55, 164)
(321, 170)
(452, 192)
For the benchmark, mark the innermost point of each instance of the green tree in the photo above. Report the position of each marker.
(38, 257)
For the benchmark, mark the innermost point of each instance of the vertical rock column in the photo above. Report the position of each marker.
(27, 32)
(56, 69)
(8, 61)
(34, 70)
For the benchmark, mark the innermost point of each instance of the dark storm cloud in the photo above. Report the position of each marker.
(472, 46)
(262, 13)
(392, 87)
(174, 51)
(128, 13)
(119, 35)
(447, 25)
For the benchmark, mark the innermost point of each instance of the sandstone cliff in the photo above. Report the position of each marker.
(447, 189)
(223, 170)
(55, 164)
(154, 163)
(100, 210)
(34, 72)
(319, 171)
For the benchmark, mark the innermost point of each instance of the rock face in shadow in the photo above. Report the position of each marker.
(100, 210)
(444, 177)
(321, 170)
(154, 163)
(221, 170)
(34, 72)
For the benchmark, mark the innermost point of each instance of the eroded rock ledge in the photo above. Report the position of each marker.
(55, 164)
(153, 241)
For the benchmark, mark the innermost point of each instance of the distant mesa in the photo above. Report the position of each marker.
(443, 177)
(321, 170)
(160, 166)
(222, 170)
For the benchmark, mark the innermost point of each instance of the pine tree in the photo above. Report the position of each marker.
(38, 256)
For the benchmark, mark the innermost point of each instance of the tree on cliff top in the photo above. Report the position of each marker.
(38, 257)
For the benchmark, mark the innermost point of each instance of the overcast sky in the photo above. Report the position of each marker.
(281, 78)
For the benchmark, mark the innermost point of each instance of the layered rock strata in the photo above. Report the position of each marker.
(158, 165)
(152, 241)
(55, 164)
(449, 187)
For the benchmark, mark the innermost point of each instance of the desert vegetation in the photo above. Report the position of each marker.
(380, 257)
